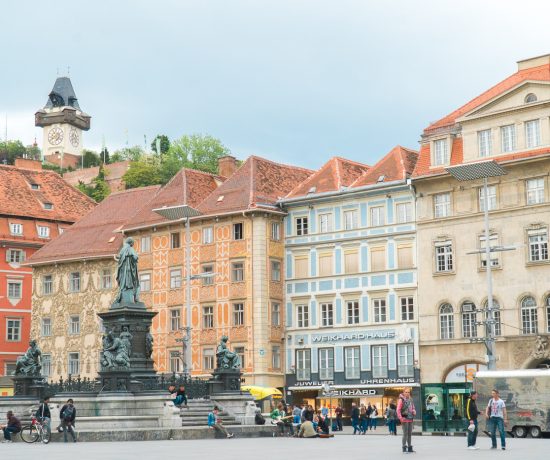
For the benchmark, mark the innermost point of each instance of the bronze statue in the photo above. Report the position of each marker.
(226, 359)
(149, 343)
(127, 273)
(30, 363)
(114, 352)
(126, 339)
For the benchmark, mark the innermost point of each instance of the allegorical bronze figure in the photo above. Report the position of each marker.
(127, 274)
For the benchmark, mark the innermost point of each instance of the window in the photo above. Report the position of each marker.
(48, 206)
(351, 360)
(442, 205)
(351, 261)
(275, 270)
(326, 363)
(380, 311)
(491, 196)
(239, 351)
(351, 220)
(275, 231)
(106, 279)
(446, 322)
(327, 315)
(74, 325)
(46, 369)
(175, 320)
(303, 364)
(43, 231)
(405, 360)
(207, 235)
(529, 316)
(548, 314)
(16, 229)
(496, 316)
(238, 314)
(145, 244)
(175, 241)
(237, 272)
(404, 212)
(208, 317)
(208, 359)
(484, 142)
(538, 245)
(238, 233)
(326, 264)
(377, 216)
(175, 362)
(35, 186)
(302, 312)
(404, 256)
(325, 223)
(276, 357)
(207, 280)
(378, 259)
(532, 133)
(13, 330)
(441, 152)
(46, 327)
(469, 317)
(407, 308)
(530, 98)
(443, 256)
(14, 289)
(61, 230)
(74, 363)
(352, 308)
(301, 226)
(508, 138)
(175, 278)
(301, 267)
(74, 282)
(535, 190)
(379, 361)
(15, 256)
(493, 241)
(275, 314)
(145, 282)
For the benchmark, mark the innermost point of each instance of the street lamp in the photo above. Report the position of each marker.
(468, 172)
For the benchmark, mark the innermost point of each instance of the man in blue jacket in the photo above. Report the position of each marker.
(215, 422)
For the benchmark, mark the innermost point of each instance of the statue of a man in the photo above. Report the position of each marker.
(226, 359)
(30, 362)
(114, 352)
(127, 273)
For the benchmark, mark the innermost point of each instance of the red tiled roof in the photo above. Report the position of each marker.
(398, 164)
(198, 185)
(258, 183)
(113, 174)
(97, 234)
(333, 175)
(17, 198)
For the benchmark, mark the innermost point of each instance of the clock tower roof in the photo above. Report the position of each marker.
(62, 94)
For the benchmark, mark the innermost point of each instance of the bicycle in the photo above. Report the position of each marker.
(34, 431)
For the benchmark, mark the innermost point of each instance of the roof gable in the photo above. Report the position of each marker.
(398, 164)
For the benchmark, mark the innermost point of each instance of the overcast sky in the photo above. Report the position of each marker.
(295, 81)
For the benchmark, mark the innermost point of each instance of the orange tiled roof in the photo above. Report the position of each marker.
(258, 183)
(332, 176)
(18, 198)
(113, 174)
(398, 164)
(97, 234)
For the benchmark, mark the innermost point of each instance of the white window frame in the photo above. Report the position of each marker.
(538, 245)
(276, 270)
(43, 231)
(145, 282)
(327, 314)
(352, 363)
(407, 308)
(325, 223)
(303, 364)
(275, 314)
(441, 155)
(46, 361)
(529, 315)
(208, 360)
(276, 357)
(405, 360)
(237, 313)
(353, 313)
(403, 212)
(46, 327)
(145, 244)
(493, 242)
(106, 279)
(491, 196)
(484, 143)
(75, 282)
(302, 315)
(175, 362)
(446, 322)
(207, 235)
(301, 224)
(175, 319)
(15, 256)
(534, 191)
(13, 329)
(16, 229)
(74, 325)
(380, 310)
(276, 231)
(175, 278)
(442, 205)
(237, 271)
(73, 363)
(15, 289)
(207, 280)
(47, 284)
(238, 231)
(469, 320)
(377, 218)
(379, 361)
(351, 219)
(326, 363)
(532, 134)
(208, 317)
(444, 260)
(508, 138)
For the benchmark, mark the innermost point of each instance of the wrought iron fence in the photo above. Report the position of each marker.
(72, 385)
(195, 388)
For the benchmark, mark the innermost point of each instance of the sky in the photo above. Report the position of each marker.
(295, 81)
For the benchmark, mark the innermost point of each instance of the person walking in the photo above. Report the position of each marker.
(373, 417)
(297, 415)
(339, 416)
(392, 418)
(363, 419)
(355, 418)
(215, 422)
(68, 416)
(471, 413)
(43, 414)
(13, 426)
(406, 413)
(497, 417)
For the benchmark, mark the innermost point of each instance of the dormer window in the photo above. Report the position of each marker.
(48, 206)
(531, 97)
(16, 229)
(43, 231)
(441, 152)
(381, 178)
(35, 186)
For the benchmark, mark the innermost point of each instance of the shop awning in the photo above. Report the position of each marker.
(262, 392)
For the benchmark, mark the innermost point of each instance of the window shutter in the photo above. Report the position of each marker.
(8, 252)
(378, 259)
(404, 257)
(351, 264)
(325, 265)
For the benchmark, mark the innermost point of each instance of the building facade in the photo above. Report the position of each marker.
(510, 124)
(351, 301)
(35, 207)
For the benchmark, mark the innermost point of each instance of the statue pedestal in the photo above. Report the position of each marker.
(225, 381)
(27, 385)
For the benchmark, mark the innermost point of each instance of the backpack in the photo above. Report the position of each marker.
(68, 413)
(404, 408)
(259, 419)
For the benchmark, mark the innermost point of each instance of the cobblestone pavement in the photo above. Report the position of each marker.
(340, 447)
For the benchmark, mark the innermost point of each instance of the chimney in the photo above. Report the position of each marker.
(227, 166)
(25, 163)
(534, 62)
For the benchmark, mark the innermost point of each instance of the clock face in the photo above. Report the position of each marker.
(55, 136)
(74, 137)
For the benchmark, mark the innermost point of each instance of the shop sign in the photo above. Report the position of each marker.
(356, 336)
(403, 380)
(354, 392)
(312, 383)
(464, 373)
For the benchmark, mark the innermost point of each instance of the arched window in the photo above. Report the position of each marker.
(530, 98)
(496, 316)
(469, 327)
(529, 316)
(446, 321)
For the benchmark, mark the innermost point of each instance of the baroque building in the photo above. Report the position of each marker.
(510, 124)
(351, 302)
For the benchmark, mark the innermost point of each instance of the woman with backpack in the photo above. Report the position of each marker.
(392, 418)
(406, 413)
(68, 416)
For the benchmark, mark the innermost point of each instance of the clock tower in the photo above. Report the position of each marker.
(63, 122)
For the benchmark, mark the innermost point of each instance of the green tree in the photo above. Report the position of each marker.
(98, 189)
(164, 144)
(141, 174)
(90, 158)
(134, 153)
(11, 150)
(34, 152)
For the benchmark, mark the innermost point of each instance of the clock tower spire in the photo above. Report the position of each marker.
(63, 121)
